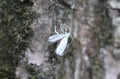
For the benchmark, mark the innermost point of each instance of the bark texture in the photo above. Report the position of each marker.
(94, 52)
(81, 59)
(89, 56)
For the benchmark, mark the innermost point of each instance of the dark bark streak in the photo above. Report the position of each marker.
(64, 4)
(90, 72)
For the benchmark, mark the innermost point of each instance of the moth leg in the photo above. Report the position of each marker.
(56, 31)
(71, 40)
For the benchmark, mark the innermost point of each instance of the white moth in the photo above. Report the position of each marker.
(63, 39)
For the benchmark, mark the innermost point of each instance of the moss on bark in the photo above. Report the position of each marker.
(15, 34)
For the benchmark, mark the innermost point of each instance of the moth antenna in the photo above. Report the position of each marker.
(61, 28)
(65, 28)
(69, 30)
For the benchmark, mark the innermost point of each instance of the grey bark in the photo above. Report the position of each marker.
(92, 32)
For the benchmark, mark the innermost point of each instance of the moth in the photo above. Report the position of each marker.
(62, 37)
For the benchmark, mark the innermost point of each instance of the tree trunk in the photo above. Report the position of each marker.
(89, 30)
(93, 47)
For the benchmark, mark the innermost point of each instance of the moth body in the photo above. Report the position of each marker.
(63, 38)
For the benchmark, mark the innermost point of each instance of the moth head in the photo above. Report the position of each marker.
(67, 34)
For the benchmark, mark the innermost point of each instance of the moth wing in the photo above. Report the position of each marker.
(55, 38)
(61, 47)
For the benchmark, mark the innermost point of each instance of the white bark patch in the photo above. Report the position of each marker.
(116, 21)
(84, 35)
(117, 35)
(114, 4)
(21, 71)
(34, 58)
(112, 67)
(77, 68)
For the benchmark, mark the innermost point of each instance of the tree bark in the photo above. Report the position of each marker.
(91, 30)
(95, 32)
